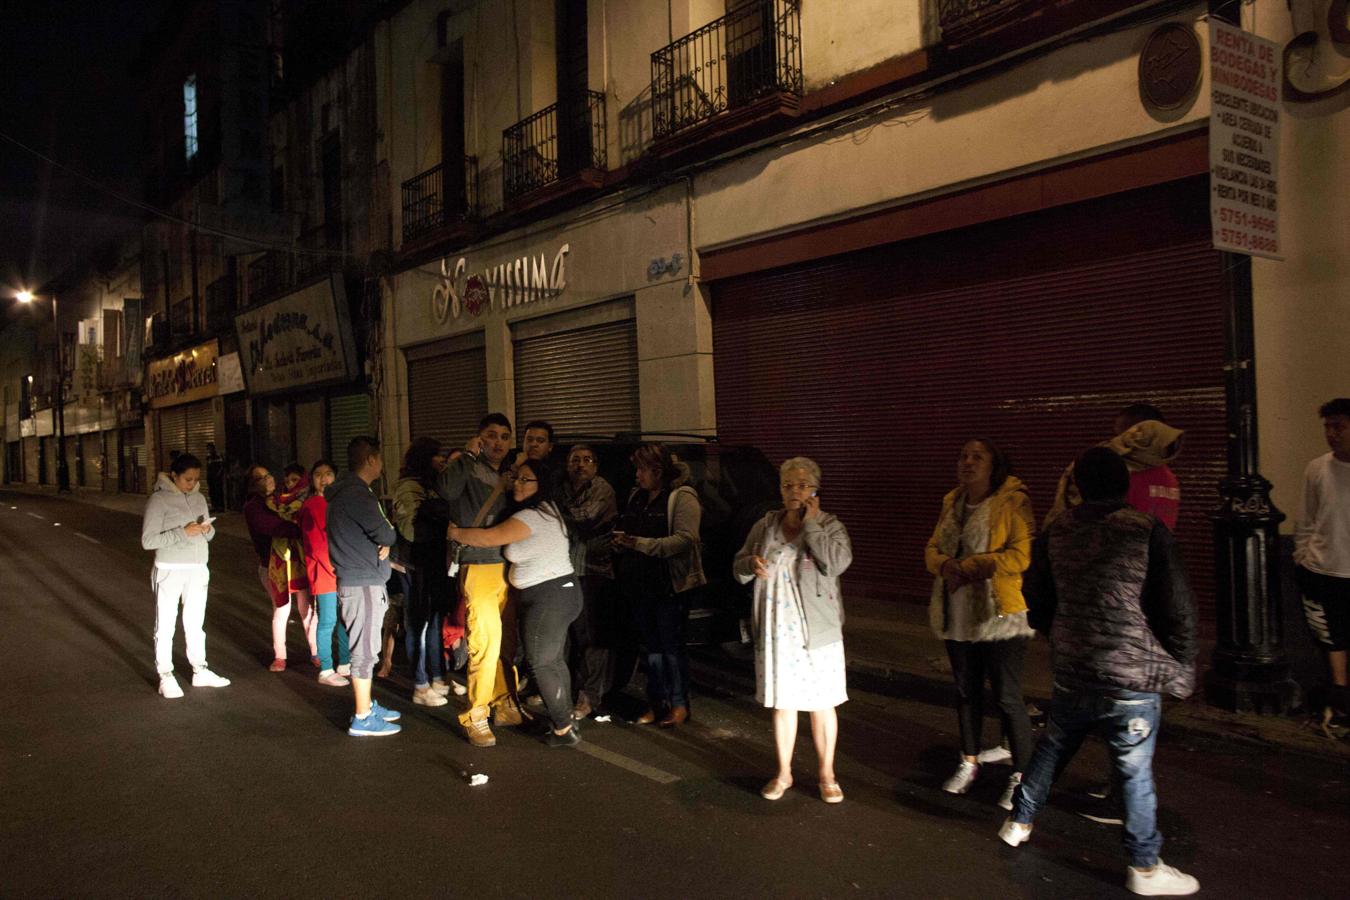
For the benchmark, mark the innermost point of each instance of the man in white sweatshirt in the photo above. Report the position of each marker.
(177, 526)
(1322, 548)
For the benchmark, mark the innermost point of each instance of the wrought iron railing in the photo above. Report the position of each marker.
(960, 19)
(439, 197)
(751, 52)
(269, 275)
(555, 143)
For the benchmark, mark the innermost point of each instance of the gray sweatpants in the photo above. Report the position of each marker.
(363, 613)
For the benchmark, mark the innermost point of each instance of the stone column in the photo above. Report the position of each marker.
(675, 363)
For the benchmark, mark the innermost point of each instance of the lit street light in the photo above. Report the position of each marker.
(62, 472)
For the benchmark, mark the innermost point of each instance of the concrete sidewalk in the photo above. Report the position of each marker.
(890, 647)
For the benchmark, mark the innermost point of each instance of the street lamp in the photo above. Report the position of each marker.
(62, 471)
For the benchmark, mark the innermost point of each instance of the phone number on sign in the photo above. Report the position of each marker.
(1234, 238)
(1243, 220)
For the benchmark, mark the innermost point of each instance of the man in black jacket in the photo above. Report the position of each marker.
(359, 538)
(1106, 582)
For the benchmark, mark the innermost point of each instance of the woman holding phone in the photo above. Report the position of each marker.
(177, 526)
(795, 556)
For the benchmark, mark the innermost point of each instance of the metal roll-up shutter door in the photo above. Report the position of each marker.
(201, 428)
(172, 434)
(1031, 331)
(582, 381)
(133, 460)
(348, 417)
(91, 451)
(112, 472)
(447, 391)
(31, 459)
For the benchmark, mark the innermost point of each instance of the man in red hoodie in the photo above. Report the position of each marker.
(322, 580)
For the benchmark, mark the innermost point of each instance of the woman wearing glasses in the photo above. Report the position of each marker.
(534, 542)
(795, 556)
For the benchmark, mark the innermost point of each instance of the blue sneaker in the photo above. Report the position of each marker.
(384, 712)
(372, 726)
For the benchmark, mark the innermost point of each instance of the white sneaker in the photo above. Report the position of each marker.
(440, 687)
(960, 782)
(1014, 833)
(998, 754)
(345, 670)
(1160, 881)
(168, 687)
(459, 689)
(1005, 800)
(427, 696)
(207, 678)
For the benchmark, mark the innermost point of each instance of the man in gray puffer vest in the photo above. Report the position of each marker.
(1107, 583)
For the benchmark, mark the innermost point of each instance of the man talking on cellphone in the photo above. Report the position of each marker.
(474, 484)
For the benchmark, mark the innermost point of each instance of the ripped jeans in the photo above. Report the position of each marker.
(1128, 721)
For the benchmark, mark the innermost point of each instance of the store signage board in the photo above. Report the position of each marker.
(183, 377)
(301, 340)
(1244, 141)
(230, 374)
(526, 279)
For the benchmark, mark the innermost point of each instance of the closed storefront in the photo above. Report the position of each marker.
(579, 370)
(182, 391)
(91, 460)
(1031, 331)
(187, 428)
(32, 454)
(131, 468)
(447, 388)
(13, 462)
(348, 417)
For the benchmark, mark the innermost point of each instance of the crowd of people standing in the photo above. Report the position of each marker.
(498, 561)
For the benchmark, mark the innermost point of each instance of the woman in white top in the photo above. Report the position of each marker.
(177, 527)
(535, 543)
(795, 557)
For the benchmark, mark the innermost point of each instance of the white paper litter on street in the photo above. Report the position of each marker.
(478, 779)
(602, 719)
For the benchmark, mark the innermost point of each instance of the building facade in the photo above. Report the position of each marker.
(863, 238)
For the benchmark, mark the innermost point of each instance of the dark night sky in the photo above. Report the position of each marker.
(66, 90)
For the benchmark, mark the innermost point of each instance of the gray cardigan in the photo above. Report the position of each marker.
(827, 553)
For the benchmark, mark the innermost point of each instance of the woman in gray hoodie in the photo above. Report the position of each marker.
(177, 527)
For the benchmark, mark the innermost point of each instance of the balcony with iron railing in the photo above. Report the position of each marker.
(992, 27)
(270, 275)
(749, 59)
(317, 253)
(440, 198)
(565, 142)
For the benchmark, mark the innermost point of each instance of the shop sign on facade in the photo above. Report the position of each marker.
(301, 340)
(229, 374)
(1244, 141)
(183, 377)
(526, 279)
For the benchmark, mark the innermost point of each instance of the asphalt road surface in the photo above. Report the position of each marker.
(256, 790)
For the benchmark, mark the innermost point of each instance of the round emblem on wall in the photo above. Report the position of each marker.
(475, 295)
(1169, 66)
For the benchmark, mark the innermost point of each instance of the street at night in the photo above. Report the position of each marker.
(256, 790)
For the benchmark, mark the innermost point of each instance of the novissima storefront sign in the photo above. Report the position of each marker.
(301, 340)
(521, 280)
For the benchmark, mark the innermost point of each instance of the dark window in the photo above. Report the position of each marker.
(452, 127)
(278, 189)
(330, 152)
(574, 126)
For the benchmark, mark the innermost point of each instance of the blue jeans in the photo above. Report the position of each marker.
(1128, 721)
(328, 623)
(422, 638)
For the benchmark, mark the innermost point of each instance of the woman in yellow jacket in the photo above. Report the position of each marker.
(978, 552)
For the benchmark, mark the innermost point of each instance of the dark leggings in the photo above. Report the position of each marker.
(1001, 662)
(546, 610)
(662, 622)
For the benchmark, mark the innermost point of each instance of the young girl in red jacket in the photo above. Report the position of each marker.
(313, 522)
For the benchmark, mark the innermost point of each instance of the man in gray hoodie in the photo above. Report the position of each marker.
(474, 485)
(359, 538)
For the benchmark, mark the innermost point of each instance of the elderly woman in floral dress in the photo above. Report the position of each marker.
(795, 557)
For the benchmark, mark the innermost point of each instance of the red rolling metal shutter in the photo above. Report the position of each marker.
(1030, 331)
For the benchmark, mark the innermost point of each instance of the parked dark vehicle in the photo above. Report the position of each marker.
(736, 486)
